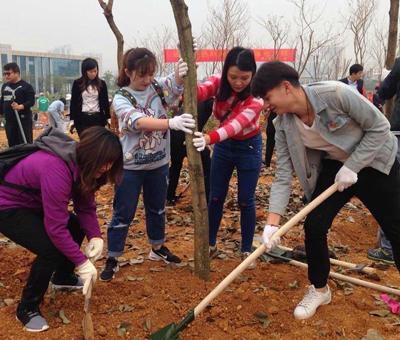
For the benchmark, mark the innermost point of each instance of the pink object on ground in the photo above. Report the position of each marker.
(393, 305)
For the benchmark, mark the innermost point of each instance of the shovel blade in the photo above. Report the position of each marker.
(169, 332)
(87, 326)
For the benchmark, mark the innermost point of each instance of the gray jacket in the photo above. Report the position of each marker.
(345, 119)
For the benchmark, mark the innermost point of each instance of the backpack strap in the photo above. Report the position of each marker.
(157, 87)
(125, 93)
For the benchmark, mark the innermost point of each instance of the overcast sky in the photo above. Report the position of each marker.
(47, 24)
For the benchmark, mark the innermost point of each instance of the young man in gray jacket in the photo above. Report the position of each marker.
(327, 133)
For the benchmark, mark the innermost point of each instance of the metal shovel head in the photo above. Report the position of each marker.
(87, 326)
(169, 332)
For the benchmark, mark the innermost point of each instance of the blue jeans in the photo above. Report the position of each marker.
(154, 183)
(245, 156)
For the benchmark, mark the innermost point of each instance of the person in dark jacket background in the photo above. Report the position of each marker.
(40, 221)
(355, 78)
(16, 94)
(89, 98)
(178, 153)
(390, 87)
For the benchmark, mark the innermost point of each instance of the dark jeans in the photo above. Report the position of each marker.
(154, 183)
(26, 228)
(178, 153)
(269, 150)
(86, 120)
(245, 156)
(13, 131)
(380, 193)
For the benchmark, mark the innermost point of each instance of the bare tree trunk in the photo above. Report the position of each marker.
(392, 45)
(107, 8)
(202, 262)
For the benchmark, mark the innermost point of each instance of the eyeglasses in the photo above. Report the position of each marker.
(7, 73)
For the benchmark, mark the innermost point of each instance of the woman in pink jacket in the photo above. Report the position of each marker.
(237, 140)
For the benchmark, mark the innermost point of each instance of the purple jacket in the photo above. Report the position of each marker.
(54, 178)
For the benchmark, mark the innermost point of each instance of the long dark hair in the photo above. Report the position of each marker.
(83, 82)
(138, 59)
(96, 148)
(244, 59)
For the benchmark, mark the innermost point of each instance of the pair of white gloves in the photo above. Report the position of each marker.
(344, 177)
(87, 271)
(186, 123)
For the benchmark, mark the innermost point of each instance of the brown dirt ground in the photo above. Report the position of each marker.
(160, 294)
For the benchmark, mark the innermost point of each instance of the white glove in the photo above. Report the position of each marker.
(269, 241)
(195, 47)
(184, 122)
(199, 142)
(181, 70)
(88, 273)
(94, 249)
(345, 178)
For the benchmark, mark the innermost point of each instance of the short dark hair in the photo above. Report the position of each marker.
(12, 67)
(355, 68)
(62, 99)
(243, 59)
(271, 75)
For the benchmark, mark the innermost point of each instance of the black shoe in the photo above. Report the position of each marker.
(381, 255)
(172, 201)
(32, 319)
(110, 269)
(163, 254)
(70, 282)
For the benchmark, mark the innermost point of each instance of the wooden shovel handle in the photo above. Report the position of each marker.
(261, 249)
(353, 280)
(350, 265)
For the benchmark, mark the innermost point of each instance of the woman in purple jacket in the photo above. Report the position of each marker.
(39, 220)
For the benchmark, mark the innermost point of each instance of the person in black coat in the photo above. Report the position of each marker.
(89, 98)
(178, 153)
(354, 79)
(16, 95)
(390, 87)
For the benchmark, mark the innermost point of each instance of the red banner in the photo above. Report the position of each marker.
(210, 55)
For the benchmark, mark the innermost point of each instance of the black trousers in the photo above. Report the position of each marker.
(380, 193)
(85, 120)
(178, 153)
(26, 228)
(13, 131)
(269, 150)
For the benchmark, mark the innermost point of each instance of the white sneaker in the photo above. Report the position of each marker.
(311, 301)
(253, 264)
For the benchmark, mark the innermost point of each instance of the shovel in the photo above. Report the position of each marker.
(172, 331)
(87, 323)
(338, 276)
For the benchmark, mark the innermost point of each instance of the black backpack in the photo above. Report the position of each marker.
(10, 157)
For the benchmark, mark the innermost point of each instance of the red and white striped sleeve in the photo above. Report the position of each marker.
(209, 88)
(240, 121)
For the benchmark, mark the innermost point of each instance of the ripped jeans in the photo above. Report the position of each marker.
(154, 183)
(245, 157)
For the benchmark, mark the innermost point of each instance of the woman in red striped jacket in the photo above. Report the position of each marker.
(237, 142)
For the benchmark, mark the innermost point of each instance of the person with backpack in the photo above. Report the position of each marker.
(36, 184)
(16, 100)
(140, 106)
(327, 133)
(89, 98)
(237, 142)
